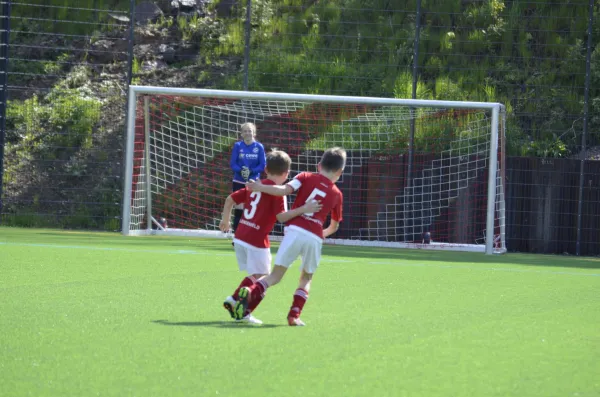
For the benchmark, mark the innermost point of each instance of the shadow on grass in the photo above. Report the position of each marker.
(378, 254)
(216, 324)
(367, 253)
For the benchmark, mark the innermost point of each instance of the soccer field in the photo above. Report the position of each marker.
(87, 314)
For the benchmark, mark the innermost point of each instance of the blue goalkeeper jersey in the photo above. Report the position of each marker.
(251, 156)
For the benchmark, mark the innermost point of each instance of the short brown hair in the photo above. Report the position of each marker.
(278, 162)
(333, 159)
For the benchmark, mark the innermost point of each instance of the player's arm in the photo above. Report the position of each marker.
(233, 199)
(234, 158)
(225, 223)
(332, 228)
(336, 217)
(310, 207)
(273, 190)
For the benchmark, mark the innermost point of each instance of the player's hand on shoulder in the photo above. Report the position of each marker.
(312, 206)
(253, 186)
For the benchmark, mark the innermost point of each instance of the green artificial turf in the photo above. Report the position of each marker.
(86, 314)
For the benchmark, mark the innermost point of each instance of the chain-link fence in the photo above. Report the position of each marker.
(64, 71)
(64, 97)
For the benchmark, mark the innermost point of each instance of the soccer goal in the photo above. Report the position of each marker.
(420, 173)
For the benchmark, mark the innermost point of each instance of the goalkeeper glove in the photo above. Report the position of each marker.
(245, 173)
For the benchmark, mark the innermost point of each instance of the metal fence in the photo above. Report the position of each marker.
(64, 71)
(63, 106)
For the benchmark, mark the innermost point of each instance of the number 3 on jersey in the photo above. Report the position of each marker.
(249, 214)
(313, 195)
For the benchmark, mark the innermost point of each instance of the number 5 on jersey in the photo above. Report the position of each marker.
(249, 214)
(313, 195)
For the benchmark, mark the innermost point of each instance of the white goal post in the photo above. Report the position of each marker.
(420, 174)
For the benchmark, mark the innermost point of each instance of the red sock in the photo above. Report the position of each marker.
(246, 282)
(257, 294)
(259, 288)
(300, 298)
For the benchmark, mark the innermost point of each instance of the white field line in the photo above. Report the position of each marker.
(395, 262)
(483, 267)
(85, 247)
(151, 251)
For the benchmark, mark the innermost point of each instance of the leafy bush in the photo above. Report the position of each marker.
(63, 119)
(550, 148)
(46, 136)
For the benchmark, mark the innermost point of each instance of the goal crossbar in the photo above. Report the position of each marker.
(275, 96)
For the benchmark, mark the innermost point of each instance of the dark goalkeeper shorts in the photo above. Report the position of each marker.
(237, 186)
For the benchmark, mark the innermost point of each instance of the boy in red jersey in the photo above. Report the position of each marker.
(304, 234)
(251, 239)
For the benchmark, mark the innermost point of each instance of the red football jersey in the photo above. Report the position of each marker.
(259, 217)
(313, 186)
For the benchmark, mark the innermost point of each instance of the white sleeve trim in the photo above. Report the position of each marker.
(295, 184)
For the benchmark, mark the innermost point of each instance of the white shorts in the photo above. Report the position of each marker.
(252, 259)
(299, 243)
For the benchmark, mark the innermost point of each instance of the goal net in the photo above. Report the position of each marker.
(419, 174)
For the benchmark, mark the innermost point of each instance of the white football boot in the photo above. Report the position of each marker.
(295, 322)
(250, 319)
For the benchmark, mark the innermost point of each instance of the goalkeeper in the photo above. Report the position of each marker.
(247, 162)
